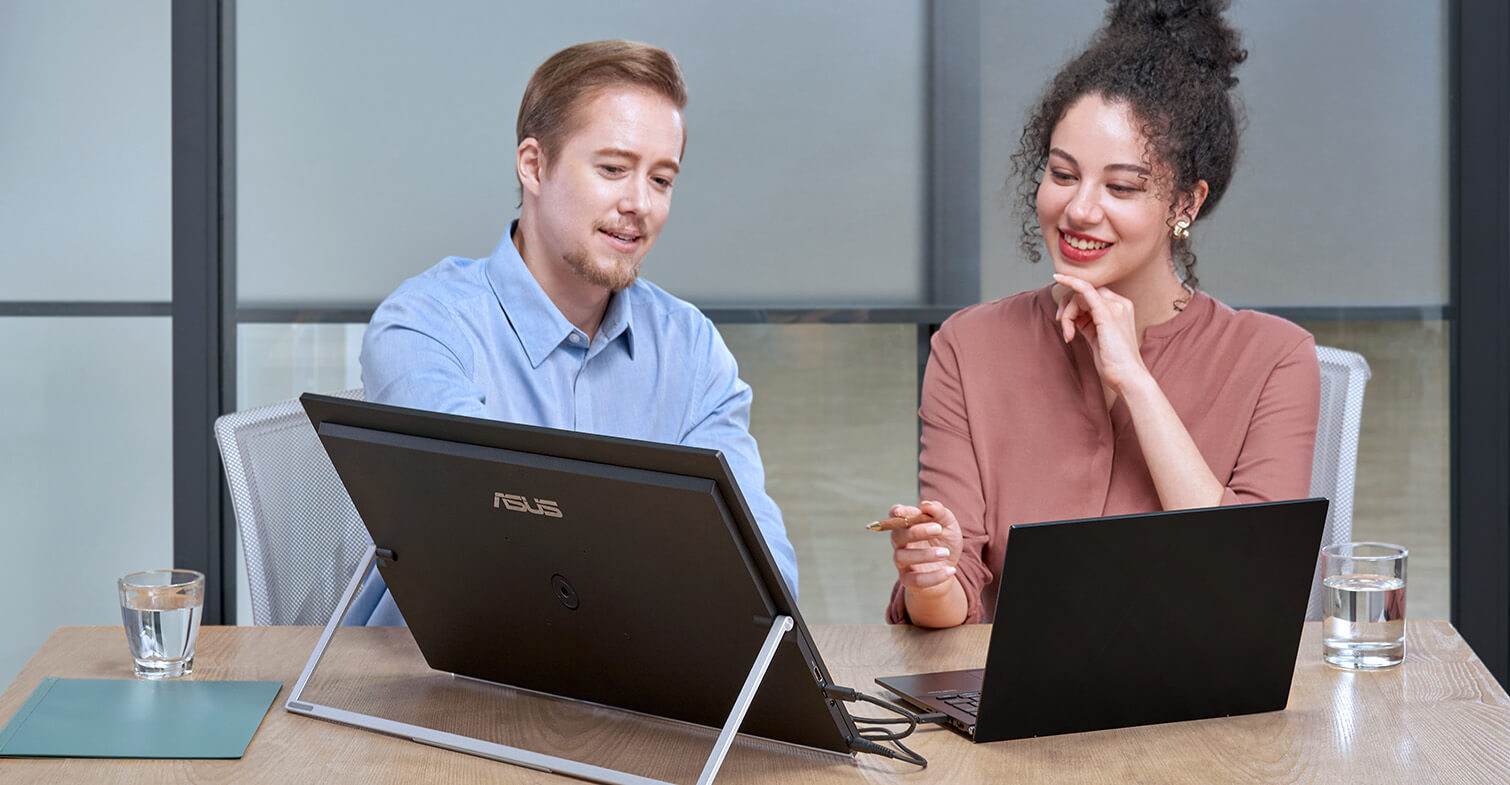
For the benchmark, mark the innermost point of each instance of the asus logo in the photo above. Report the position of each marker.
(517, 503)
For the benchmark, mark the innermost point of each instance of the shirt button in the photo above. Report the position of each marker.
(575, 338)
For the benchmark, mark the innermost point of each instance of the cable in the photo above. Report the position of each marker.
(902, 753)
(870, 739)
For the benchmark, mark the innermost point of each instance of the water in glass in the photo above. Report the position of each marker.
(1363, 625)
(162, 627)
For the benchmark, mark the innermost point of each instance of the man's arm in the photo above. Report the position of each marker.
(720, 420)
(413, 355)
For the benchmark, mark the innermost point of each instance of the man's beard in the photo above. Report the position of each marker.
(613, 277)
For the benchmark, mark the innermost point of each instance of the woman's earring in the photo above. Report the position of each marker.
(1181, 229)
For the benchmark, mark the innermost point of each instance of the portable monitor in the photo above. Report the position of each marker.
(634, 571)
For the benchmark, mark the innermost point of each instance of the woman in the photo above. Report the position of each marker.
(1121, 388)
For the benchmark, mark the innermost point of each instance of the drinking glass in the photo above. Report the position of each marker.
(161, 610)
(1363, 624)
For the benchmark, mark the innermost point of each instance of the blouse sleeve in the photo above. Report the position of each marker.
(1275, 461)
(948, 472)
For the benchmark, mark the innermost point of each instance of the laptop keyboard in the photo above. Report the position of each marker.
(967, 702)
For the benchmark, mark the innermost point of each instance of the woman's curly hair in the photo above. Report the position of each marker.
(1170, 62)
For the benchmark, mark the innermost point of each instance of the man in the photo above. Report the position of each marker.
(556, 328)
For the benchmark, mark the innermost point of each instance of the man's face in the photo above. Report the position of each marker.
(606, 193)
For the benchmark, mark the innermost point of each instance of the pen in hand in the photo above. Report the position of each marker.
(896, 522)
(887, 524)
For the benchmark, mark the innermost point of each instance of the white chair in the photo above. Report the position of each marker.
(300, 534)
(1343, 377)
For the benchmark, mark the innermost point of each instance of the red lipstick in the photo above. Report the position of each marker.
(1073, 254)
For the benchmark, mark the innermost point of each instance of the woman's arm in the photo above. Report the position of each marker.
(948, 473)
(1107, 322)
(1180, 473)
(1275, 460)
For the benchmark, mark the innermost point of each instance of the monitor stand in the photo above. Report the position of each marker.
(519, 757)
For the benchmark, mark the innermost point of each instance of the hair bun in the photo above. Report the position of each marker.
(1195, 27)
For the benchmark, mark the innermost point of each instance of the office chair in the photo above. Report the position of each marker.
(1343, 376)
(300, 534)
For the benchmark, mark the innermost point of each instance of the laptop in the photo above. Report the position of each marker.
(616, 572)
(1136, 620)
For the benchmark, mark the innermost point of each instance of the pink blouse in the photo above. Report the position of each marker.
(1015, 427)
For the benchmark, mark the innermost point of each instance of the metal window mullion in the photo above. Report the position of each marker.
(197, 306)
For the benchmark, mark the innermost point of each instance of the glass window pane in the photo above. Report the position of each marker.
(85, 150)
(277, 362)
(835, 414)
(1402, 494)
(1340, 195)
(374, 139)
(87, 473)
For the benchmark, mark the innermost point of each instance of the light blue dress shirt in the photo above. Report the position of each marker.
(479, 337)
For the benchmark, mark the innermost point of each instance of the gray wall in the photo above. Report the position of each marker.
(85, 403)
(1341, 194)
(84, 150)
(375, 138)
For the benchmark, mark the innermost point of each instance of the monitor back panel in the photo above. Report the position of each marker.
(621, 586)
(1149, 618)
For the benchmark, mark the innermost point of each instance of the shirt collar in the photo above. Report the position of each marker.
(618, 319)
(537, 322)
(1194, 312)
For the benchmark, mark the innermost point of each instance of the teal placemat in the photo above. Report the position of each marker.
(132, 718)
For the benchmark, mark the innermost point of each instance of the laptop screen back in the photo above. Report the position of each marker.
(1153, 618)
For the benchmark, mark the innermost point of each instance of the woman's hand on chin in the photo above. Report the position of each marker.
(1108, 324)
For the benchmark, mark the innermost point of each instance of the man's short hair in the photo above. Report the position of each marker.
(573, 76)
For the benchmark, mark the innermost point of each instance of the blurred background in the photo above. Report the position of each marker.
(843, 191)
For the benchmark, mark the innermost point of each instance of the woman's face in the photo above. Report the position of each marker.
(1103, 215)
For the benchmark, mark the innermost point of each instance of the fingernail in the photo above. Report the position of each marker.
(874, 526)
(949, 570)
(939, 553)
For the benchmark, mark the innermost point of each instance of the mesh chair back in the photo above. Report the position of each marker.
(1343, 376)
(300, 534)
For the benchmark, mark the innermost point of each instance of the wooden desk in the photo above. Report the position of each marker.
(1439, 718)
